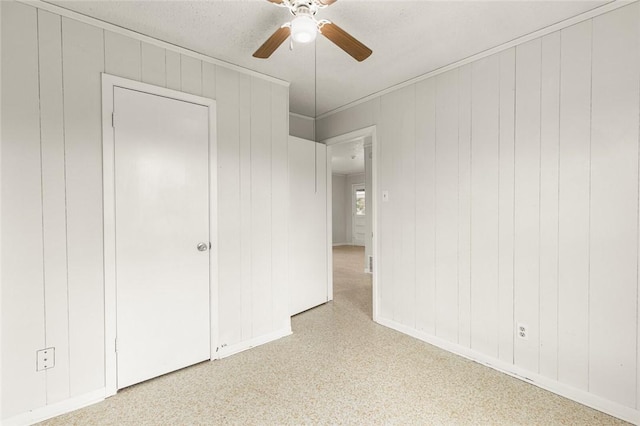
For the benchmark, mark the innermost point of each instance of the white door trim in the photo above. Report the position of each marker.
(109, 82)
(367, 131)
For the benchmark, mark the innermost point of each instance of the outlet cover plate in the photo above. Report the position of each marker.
(46, 359)
(522, 331)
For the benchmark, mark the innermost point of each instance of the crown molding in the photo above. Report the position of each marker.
(147, 39)
(613, 5)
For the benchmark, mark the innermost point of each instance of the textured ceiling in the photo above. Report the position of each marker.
(408, 38)
(348, 158)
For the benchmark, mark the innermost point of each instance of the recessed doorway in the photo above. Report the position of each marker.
(351, 202)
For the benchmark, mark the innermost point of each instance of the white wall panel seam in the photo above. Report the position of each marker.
(457, 86)
(515, 146)
(638, 257)
(250, 207)
(590, 208)
(66, 210)
(499, 192)
(470, 202)
(44, 293)
(540, 203)
(270, 133)
(415, 212)
(458, 207)
(559, 184)
(241, 248)
(435, 206)
(44, 265)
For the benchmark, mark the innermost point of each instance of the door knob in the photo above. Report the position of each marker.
(202, 246)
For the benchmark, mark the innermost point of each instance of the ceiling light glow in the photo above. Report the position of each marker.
(303, 29)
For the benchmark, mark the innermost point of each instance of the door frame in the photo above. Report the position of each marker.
(354, 188)
(347, 137)
(109, 83)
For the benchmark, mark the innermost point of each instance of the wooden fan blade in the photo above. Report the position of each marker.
(323, 2)
(345, 41)
(277, 1)
(272, 43)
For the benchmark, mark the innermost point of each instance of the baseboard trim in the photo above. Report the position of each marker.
(601, 404)
(252, 343)
(57, 409)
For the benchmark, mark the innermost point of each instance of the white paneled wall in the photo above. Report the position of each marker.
(521, 207)
(307, 225)
(338, 207)
(301, 126)
(52, 250)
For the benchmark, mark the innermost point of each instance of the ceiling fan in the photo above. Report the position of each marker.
(304, 27)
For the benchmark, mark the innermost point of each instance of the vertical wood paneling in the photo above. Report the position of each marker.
(22, 313)
(54, 202)
(464, 204)
(425, 205)
(567, 212)
(244, 86)
(51, 136)
(399, 288)
(191, 75)
(506, 204)
(574, 182)
(261, 216)
(280, 202)
(82, 47)
(447, 205)
(386, 222)
(614, 190)
(549, 146)
(574, 168)
(153, 65)
(208, 80)
(229, 267)
(637, 13)
(405, 243)
(527, 202)
(173, 68)
(484, 204)
(122, 56)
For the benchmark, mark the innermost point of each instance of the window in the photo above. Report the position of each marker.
(360, 202)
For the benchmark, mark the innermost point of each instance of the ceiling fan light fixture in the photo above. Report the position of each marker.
(304, 29)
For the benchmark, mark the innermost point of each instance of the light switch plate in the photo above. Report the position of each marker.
(385, 196)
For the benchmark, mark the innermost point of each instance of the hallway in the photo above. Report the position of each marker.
(338, 367)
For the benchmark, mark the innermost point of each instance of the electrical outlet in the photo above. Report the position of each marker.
(46, 359)
(523, 331)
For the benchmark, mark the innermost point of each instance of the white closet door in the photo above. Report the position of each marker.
(307, 224)
(162, 214)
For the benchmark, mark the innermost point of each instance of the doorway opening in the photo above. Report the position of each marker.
(351, 209)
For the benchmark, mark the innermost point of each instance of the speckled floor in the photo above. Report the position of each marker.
(338, 368)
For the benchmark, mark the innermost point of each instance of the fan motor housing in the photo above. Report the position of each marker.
(304, 7)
